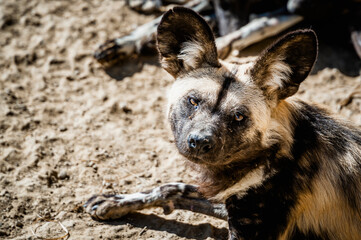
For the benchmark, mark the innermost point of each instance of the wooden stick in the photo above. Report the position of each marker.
(258, 29)
(254, 31)
(129, 45)
(356, 41)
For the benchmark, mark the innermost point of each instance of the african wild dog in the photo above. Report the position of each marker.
(274, 166)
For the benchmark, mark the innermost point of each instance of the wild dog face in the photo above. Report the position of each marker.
(220, 112)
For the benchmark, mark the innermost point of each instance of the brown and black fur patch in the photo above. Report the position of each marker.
(284, 169)
(274, 166)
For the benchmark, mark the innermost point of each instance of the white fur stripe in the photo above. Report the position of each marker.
(191, 53)
(252, 179)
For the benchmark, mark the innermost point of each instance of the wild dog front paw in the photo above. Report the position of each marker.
(104, 207)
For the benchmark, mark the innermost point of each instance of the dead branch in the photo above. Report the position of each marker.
(127, 46)
(153, 6)
(131, 45)
(356, 41)
(254, 31)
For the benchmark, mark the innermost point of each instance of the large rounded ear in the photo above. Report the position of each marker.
(185, 41)
(280, 69)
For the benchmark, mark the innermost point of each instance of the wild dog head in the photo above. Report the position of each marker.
(220, 112)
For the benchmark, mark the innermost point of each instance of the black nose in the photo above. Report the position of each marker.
(200, 143)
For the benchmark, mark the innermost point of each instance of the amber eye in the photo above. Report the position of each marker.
(238, 116)
(193, 102)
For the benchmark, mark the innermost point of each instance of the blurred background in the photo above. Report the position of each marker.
(82, 104)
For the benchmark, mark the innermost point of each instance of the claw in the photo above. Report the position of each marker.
(89, 200)
(98, 202)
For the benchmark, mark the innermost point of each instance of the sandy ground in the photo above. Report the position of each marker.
(69, 130)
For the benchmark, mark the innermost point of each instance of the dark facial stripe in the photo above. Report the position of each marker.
(223, 91)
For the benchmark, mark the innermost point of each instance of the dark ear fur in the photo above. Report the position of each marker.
(280, 69)
(185, 41)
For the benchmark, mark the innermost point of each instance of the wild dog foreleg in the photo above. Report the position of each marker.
(169, 196)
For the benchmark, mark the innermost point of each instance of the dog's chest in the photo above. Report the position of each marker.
(261, 212)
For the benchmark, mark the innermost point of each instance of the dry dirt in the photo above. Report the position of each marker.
(69, 130)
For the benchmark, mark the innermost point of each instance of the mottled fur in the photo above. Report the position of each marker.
(283, 168)
(288, 170)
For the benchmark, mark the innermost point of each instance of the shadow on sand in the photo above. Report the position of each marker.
(186, 230)
(128, 68)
